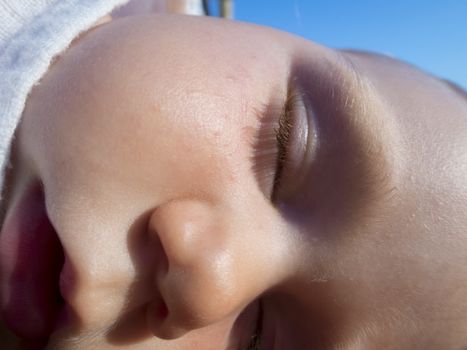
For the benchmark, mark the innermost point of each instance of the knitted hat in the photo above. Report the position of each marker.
(32, 32)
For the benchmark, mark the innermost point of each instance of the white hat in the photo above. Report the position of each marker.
(32, 32)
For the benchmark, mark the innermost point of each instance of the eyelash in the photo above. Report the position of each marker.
(270, 145)
(255, 341)
(282, 135)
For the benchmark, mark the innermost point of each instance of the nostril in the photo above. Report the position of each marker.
(157, 314)
(162, 311)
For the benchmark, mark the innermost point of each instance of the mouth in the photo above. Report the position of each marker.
(31, 260)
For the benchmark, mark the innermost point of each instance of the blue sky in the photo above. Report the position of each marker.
(430, 34)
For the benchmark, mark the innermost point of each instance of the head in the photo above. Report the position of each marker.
(151, 150)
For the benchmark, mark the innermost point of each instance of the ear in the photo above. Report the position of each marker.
(211, 271)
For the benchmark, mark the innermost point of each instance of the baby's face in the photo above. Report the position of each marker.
(185, 224)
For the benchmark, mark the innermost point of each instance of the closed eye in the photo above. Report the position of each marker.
(280, 143)
(283, 133)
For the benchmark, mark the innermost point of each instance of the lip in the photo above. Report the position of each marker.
(31, 260)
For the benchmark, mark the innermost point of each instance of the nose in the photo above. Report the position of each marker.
(217, 262)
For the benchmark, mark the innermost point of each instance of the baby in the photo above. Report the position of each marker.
(180, 182)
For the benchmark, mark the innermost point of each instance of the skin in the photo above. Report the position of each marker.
(152, 139)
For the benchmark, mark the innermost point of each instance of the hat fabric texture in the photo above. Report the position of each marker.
(32, 32)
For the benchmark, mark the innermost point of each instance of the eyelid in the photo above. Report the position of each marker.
(296, 117)
(282, 132)
(264, 145)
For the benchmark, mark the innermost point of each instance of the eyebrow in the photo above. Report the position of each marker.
(456, 88)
